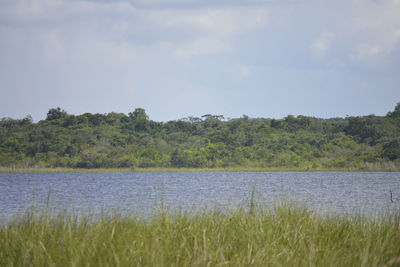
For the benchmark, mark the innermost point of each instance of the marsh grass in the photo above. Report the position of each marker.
(367, 167)
(284, 234)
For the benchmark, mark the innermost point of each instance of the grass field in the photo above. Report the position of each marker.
(282, 235)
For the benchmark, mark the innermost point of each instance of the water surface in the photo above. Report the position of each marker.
(142, 193)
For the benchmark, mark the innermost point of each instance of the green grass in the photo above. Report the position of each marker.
(284, 235)
(367, 167)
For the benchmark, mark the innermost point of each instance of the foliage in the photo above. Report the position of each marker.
(116, 140)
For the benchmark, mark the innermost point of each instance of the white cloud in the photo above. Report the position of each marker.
(57, 46)
(190, 32)
(323, 43)
(53, 46)
(245, 71)
(363, 33)
(376, 32)
(207, 30)
(201, 47)
(368, 30)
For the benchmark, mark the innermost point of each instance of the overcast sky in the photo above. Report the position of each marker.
(179, 58)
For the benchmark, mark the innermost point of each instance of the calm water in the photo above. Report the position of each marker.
(142, 193)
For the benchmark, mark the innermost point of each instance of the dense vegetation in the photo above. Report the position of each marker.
(286, 235)
(116, 140)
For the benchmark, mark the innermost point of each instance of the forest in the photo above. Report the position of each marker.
(117, 140)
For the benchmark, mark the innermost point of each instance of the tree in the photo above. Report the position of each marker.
(27, 120)
(118, 140)
(396, 112)
(138, 115)
(391, 149)
(139, 120)
(178, 159)
(366, 129)
(212, 117)
(55, 114)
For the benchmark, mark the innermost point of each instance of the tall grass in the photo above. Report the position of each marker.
(367, 167)
(284, 235)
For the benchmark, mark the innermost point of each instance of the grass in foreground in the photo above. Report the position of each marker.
(287, 235)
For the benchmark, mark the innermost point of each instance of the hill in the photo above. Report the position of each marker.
(117, 140)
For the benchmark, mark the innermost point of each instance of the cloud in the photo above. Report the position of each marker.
(190, 32)
(206, 31)
(113, 52)
(69, 51)
(376, 32)
(323, 43)
(368, 30)
(199, 47)
(244, 70)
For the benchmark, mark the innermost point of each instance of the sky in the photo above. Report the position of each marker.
(180, 58)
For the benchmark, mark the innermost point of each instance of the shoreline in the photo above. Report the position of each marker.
(236, 169)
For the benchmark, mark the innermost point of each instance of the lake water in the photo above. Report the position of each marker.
(143, 193)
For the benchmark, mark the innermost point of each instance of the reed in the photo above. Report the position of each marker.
(285, 234)
(364, 168)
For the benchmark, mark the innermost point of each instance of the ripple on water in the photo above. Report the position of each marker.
(142, 193)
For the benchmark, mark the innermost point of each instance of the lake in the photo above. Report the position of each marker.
(143, 193)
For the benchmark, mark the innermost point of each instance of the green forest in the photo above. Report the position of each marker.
(117, 140)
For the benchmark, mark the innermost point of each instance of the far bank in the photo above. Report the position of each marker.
(367, 168)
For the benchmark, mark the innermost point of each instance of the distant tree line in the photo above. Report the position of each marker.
(116, 140)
